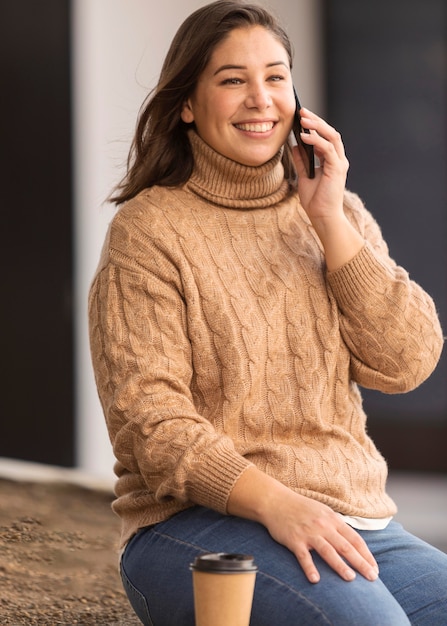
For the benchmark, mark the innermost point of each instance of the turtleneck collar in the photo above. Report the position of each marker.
(230, 184)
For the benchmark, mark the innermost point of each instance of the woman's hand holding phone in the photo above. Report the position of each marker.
(322, 196)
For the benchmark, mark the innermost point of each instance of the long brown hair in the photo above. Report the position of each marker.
(160, 153)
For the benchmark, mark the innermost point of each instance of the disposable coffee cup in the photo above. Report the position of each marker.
(223, 589)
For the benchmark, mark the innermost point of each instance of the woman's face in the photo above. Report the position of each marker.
(243, 104)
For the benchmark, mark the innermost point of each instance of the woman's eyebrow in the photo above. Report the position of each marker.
(244, 67)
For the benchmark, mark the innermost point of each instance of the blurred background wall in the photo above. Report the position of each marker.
(386, 82)
(74, 75)
(36, 253)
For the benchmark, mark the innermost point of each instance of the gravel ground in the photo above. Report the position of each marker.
(58, 557)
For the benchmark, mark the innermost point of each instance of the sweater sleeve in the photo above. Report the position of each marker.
(142, 362)
(388, 322)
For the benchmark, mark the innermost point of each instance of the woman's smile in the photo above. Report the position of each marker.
(260, 128)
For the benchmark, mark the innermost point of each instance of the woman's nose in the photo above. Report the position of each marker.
(258, 97)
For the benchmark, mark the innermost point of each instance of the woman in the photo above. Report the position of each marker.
(237, 306)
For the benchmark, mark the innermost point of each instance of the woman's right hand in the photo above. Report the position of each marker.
(302, 524)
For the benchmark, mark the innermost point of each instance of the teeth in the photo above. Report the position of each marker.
(256, 128)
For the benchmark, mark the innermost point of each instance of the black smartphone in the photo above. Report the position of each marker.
(306, 151)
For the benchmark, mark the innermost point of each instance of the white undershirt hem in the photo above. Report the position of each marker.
(366, 523)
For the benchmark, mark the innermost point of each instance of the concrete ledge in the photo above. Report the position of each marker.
(422, 502)
(25, 471)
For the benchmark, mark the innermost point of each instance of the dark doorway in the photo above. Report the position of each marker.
(387, 94)
(36, 401)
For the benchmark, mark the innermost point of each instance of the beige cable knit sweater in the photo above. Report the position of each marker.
(219, 341)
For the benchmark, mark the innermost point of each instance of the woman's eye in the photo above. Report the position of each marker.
(276, 78)
(232, 81)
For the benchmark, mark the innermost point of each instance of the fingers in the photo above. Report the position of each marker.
(319, 126)
(328, 554)
(343, 556)
(332, 557)
(357, 553)
(347, 559)
(343, 550)
(326, 140)
(305, 560)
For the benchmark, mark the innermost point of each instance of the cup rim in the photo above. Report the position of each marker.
(224, 562)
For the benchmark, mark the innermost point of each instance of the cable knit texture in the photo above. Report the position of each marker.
(219, 340)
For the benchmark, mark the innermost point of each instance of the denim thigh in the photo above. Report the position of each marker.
(414, 572)
(158, 581)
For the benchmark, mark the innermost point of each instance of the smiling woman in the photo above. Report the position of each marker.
(237, 308)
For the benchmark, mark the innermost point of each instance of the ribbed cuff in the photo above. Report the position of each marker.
(215, 476)
(362, 275)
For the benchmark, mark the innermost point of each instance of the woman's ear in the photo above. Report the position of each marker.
(186, 113)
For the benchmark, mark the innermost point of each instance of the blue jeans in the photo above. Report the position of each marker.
(411, 589)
